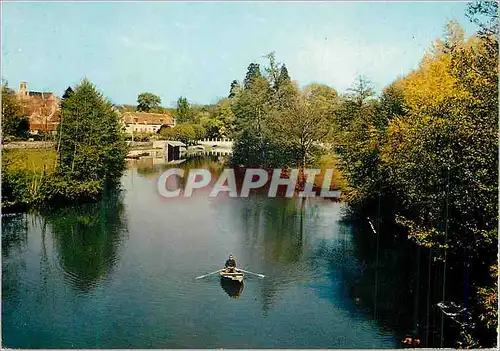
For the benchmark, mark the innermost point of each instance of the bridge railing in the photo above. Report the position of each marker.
(216, 140)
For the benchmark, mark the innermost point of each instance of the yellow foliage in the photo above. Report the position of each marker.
(330, 162)
(431, 89)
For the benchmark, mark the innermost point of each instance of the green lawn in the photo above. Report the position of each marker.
(32, 160)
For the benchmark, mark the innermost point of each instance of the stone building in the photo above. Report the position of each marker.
(143, 122)
(41, 108)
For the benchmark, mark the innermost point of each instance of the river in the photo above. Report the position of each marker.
(120, 274)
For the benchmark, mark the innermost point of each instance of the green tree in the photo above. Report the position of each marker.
(258, 111)
(358, 104)
(182, 113)
(284, 92)
(148, 102)
(359, 133)
(67, 94)
(301, 126)
(91, 146)
(199, 132)
(14, 124)
(186, 133)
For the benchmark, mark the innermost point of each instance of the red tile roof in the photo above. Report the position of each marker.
(148, 118)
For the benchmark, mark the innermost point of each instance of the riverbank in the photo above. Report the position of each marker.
(29, 180)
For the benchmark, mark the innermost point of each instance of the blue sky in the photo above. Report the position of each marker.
(197, 49)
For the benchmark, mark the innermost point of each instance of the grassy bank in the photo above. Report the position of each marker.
(29, 160)
(29, 179)
(23, 171)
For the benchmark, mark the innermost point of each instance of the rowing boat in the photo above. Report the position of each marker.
(235, 276)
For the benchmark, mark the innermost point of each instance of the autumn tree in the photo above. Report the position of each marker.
(441, 155)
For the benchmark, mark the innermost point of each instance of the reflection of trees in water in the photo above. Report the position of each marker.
(14, 234)
(87, 239)
(14, 242)
(275, 232)
(394, 285)
(146, 166)
(276, 226)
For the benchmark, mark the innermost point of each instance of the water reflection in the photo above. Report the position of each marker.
(14, 244)
(231, 287)
(14, 234)
(88, 238)
(388, 279)
(150, 166)
(275, 233)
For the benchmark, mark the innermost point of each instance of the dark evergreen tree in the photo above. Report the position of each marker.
(67, 94)
(253, 73)
(283, 77)
(235, 86)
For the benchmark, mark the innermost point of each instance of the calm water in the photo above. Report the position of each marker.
(120, 274)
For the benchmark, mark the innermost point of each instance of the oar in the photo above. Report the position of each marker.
(257, 274)
(206, 275)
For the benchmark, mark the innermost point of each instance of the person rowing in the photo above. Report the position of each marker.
(230, 264)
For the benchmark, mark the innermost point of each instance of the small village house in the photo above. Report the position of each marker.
(143, 122)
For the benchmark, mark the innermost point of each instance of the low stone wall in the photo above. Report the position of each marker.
(29, 145)
(223, 143)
